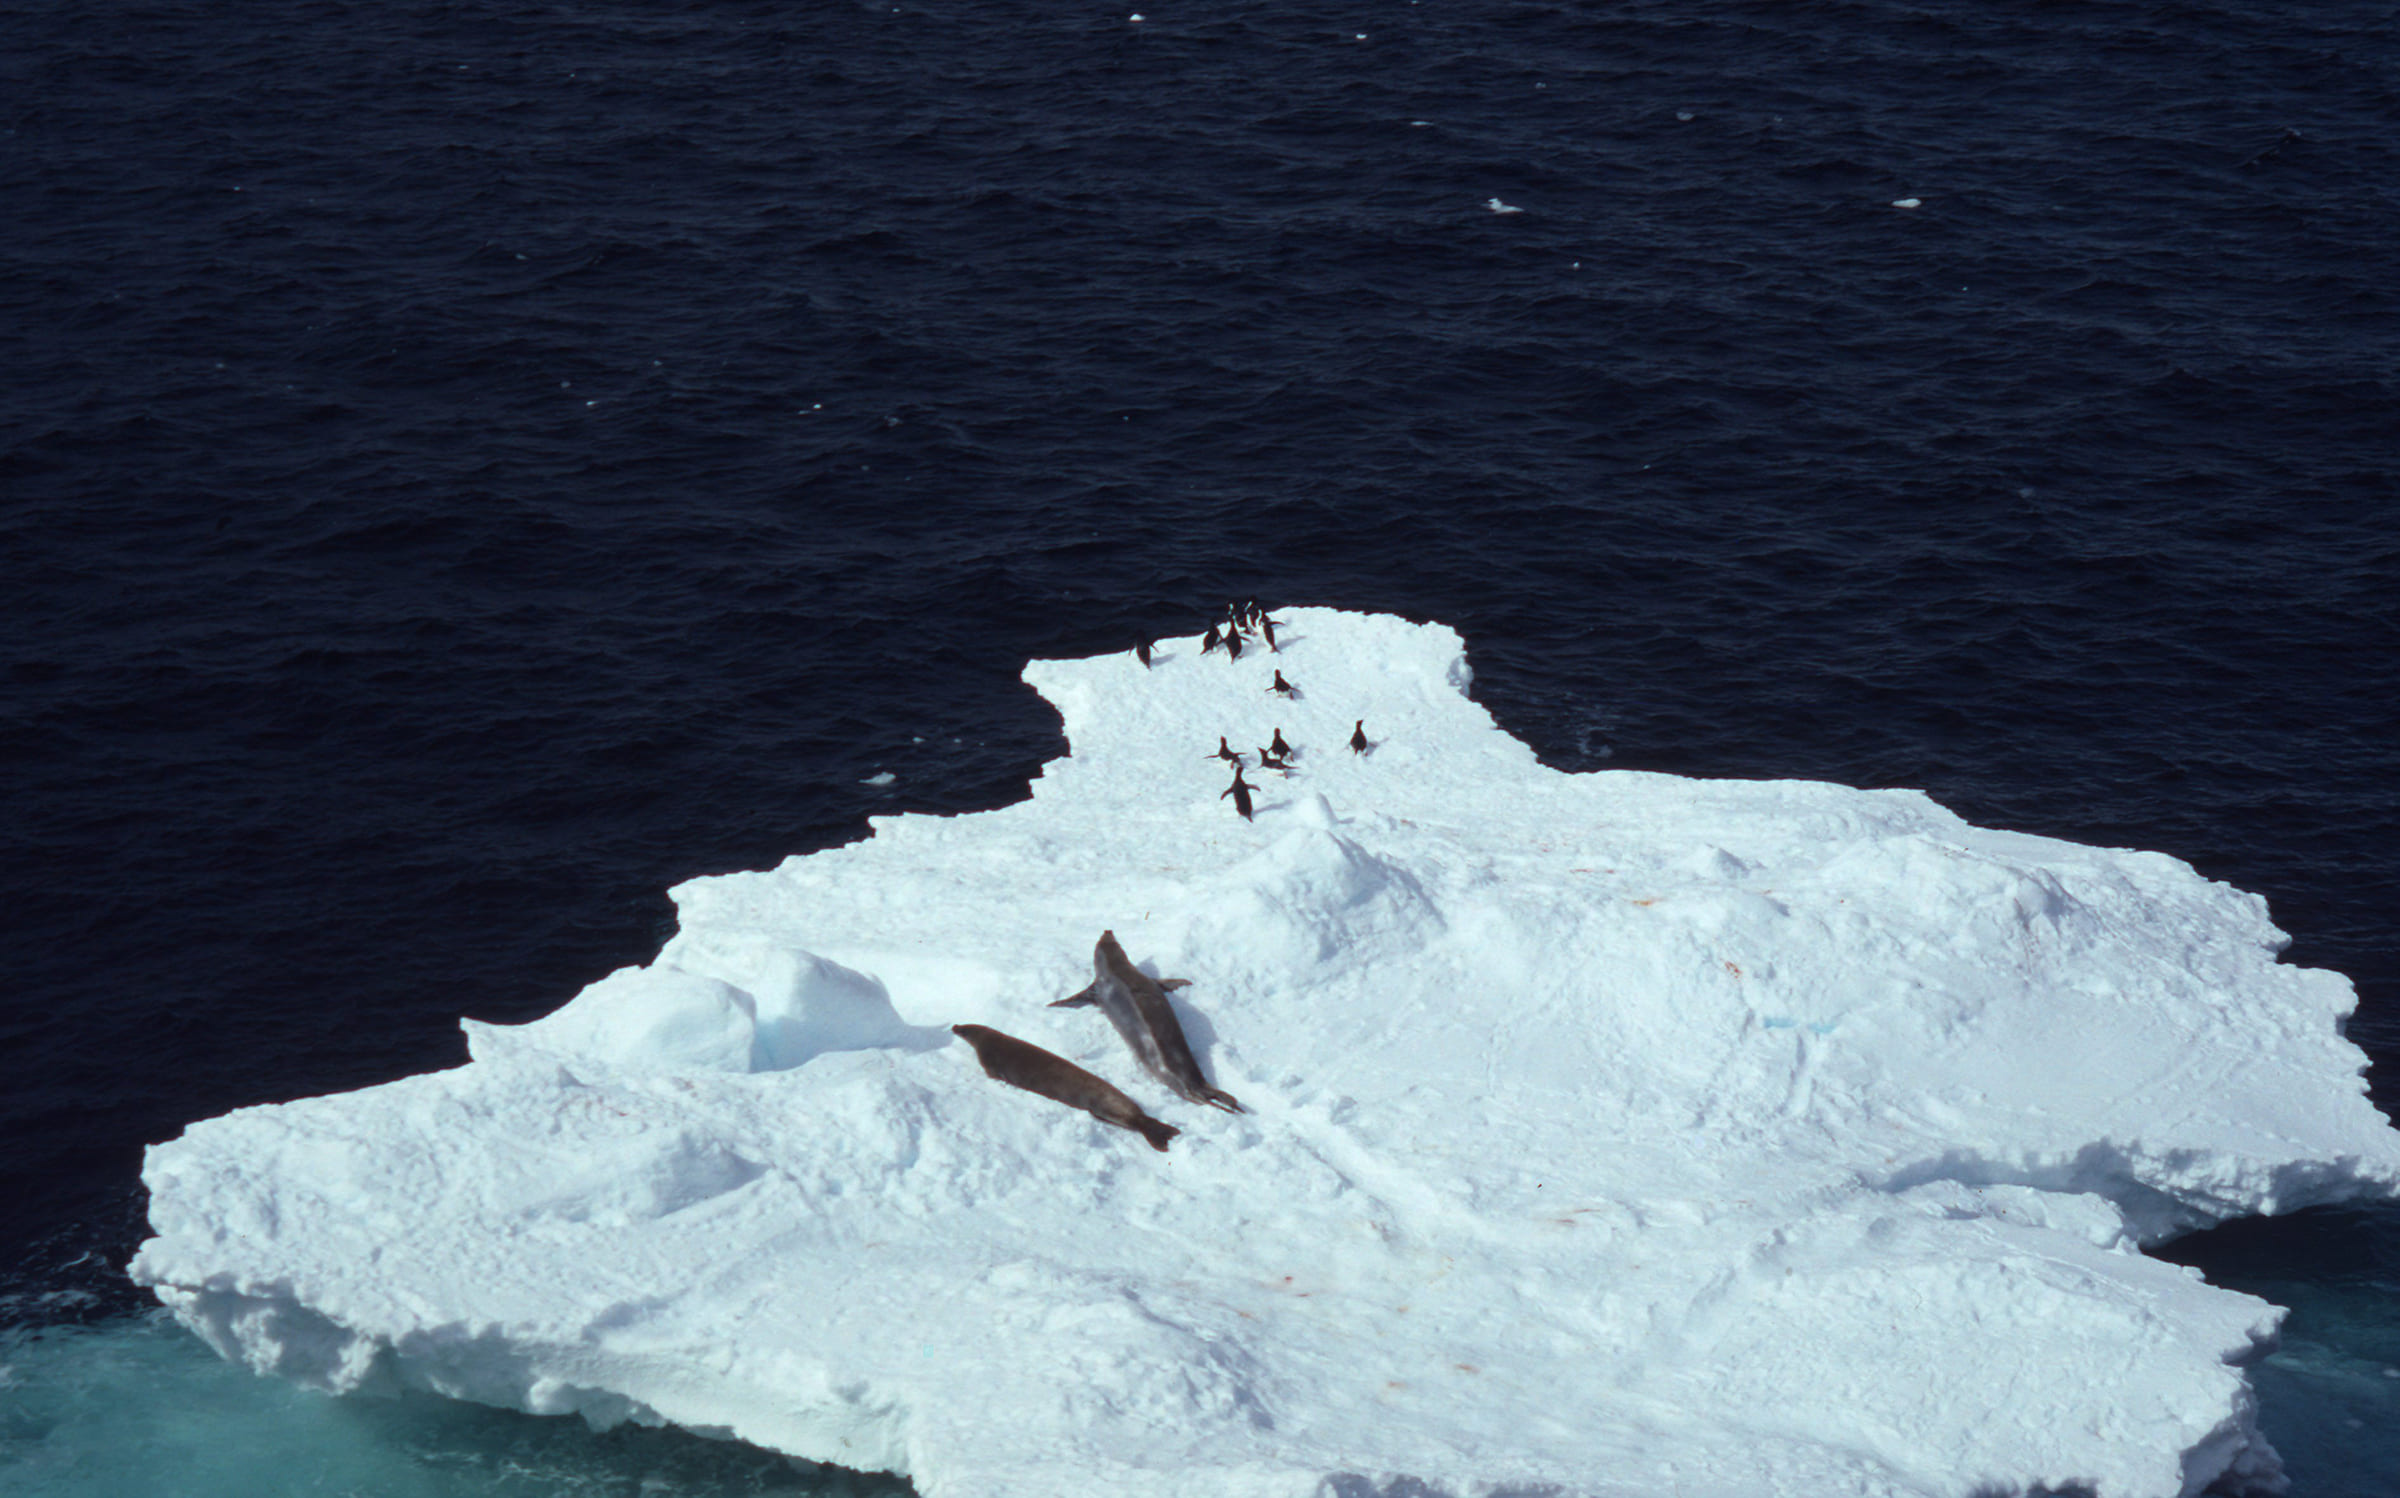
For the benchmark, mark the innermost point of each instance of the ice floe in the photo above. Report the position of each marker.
(1607, 1134)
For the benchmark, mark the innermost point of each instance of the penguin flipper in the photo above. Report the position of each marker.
(1077, 1001)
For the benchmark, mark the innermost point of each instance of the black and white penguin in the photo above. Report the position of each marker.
(1358, 738)
(1268, 759)
(1209, 641)
(1141, 653)
(1281, 749)
(1226, 753)
(1283, 688)
(1233, 644)
(1266, 631)
(1240, 792)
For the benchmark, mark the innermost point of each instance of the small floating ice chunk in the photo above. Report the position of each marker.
(1908, 202)
(1497, 206)
(1684, 115)
(885, 777)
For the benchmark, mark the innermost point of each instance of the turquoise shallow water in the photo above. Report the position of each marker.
(137, 1406)
(2329, 1396)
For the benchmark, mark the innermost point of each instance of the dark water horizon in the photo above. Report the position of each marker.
(464, 470)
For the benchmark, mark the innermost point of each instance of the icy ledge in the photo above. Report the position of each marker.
(1609, 1134)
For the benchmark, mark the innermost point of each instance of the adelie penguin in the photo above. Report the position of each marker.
(1233, 644)
(1225, 753)
(1279, 748)
(1266, 631)
(1210, 641)
(1240, 792)
(1283, 688)
(1358, 738)
(1141, 653)
(1268, 759)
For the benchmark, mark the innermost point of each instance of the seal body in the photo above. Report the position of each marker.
(1020, 1063)
(1136, 1004)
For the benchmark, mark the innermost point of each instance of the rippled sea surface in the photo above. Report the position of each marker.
(465, 468)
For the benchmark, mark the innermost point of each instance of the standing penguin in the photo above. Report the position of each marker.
(1283, 688)
(1233, 644)
(1240, 792)
(1280, 749)
(1225, 753)
(1141, 653)
(1358, 738)
(1266, 629)
(1209, 641)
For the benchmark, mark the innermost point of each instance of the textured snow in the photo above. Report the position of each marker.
(1610, 1134)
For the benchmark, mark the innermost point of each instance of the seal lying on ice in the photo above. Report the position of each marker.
(1136, 1004)
(1021, 1063)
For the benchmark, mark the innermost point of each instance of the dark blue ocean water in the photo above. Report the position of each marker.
(464, 468)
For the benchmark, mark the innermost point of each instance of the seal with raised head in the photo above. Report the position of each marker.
(1136, 1004)
(1020, 1063)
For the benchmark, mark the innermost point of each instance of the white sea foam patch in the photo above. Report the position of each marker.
(1608, 1134)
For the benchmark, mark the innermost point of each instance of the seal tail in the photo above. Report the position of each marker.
(1157, 1133)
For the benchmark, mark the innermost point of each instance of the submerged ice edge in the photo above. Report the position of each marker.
(1605, 1131)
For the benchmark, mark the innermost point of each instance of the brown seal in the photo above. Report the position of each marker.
(1022, 1064)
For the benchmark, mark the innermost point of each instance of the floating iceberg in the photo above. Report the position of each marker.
(1608, 1134)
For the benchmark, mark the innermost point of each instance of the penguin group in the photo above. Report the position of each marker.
(1240, 624)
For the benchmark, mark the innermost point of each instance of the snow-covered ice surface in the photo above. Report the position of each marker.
(1609, 1134)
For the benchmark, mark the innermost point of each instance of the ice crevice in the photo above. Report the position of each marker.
(1605, 1134)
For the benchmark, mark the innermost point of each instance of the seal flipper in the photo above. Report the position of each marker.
(1218, 1099)
(1157, 1133)
(1077, 1001)
(1174, 983)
